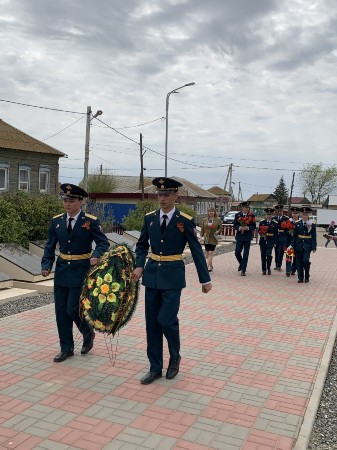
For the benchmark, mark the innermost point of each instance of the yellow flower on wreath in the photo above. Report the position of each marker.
(91, 282)
(95, 292)
(115, 287)
(99, 281)
(99, 325)
(102, 298)
(105, 289)
(111, 298)
(113, 316)
(107, 278)
(86, 304)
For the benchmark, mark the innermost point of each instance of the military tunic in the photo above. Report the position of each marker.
(281, 241)
(304, 241)
(164, 278)
(267, 242)
(71, 268)
(243, 239)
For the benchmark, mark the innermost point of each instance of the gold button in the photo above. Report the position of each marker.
(69, 240)
(68, 262)
(159, 264)
(161, 253)
(161, 241)
(69, 253)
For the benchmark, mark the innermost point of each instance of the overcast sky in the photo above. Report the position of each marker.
(264, 98)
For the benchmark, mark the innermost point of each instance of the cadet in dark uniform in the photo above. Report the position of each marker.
(168, 230)
(245, 225)
(268, 239)
(304, 242)
(281, 241)
(75, 232)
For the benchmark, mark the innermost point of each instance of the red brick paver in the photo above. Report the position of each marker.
(251, 353)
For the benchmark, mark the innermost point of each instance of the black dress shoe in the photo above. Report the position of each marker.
(150, 377)
(288, 274)
(269, 272)
(264, 272)
(87, 347)
(239, 268)
(173, 368)
(293, 273)
(62, 356)
(300, 281)
(306, 280)
(243, 273)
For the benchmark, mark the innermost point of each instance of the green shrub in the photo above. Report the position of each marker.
(31, 218)
(12, 229)
(134, 220)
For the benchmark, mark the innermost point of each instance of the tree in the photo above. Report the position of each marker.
(98, 182)
(281, 192)
(318, 182)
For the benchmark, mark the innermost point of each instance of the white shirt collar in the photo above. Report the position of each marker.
(74, 217)
(169, 214)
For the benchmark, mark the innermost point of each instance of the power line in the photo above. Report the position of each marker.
(145, 147)
(63, 129)
(135, 126)
(41, 107)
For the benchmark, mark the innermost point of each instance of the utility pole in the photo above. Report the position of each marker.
(141, 166)
(240, 193)
(291, 193)
(87, 145)
(86, 154)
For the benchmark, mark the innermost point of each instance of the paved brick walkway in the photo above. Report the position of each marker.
(251, 354)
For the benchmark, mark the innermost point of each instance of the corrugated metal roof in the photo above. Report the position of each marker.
(218, 191)
(128, 184)
(261, 197)
(14, 139)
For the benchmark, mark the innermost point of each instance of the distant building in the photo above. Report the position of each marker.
(223, 200)
(27, 164)
(128, 193)
(258, 203)
(298, 201)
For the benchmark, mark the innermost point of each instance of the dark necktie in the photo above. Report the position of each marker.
(163, 225)
(69, 228)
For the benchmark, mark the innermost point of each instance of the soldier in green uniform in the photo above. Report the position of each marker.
(74, 231)
(168, 230)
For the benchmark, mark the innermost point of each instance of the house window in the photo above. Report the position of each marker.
(24, 178)
(4, 169)
(44, 179)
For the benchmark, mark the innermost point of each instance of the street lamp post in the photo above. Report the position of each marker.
(167, 107)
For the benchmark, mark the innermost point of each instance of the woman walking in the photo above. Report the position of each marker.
(210, 229)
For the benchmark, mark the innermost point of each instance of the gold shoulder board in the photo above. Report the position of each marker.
(186, 215)
(274, 220)
(151, 212)
(58, 215)
(90, 216)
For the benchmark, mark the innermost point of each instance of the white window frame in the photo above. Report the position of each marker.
(24, 185)
(5, 168)
(44, 170)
